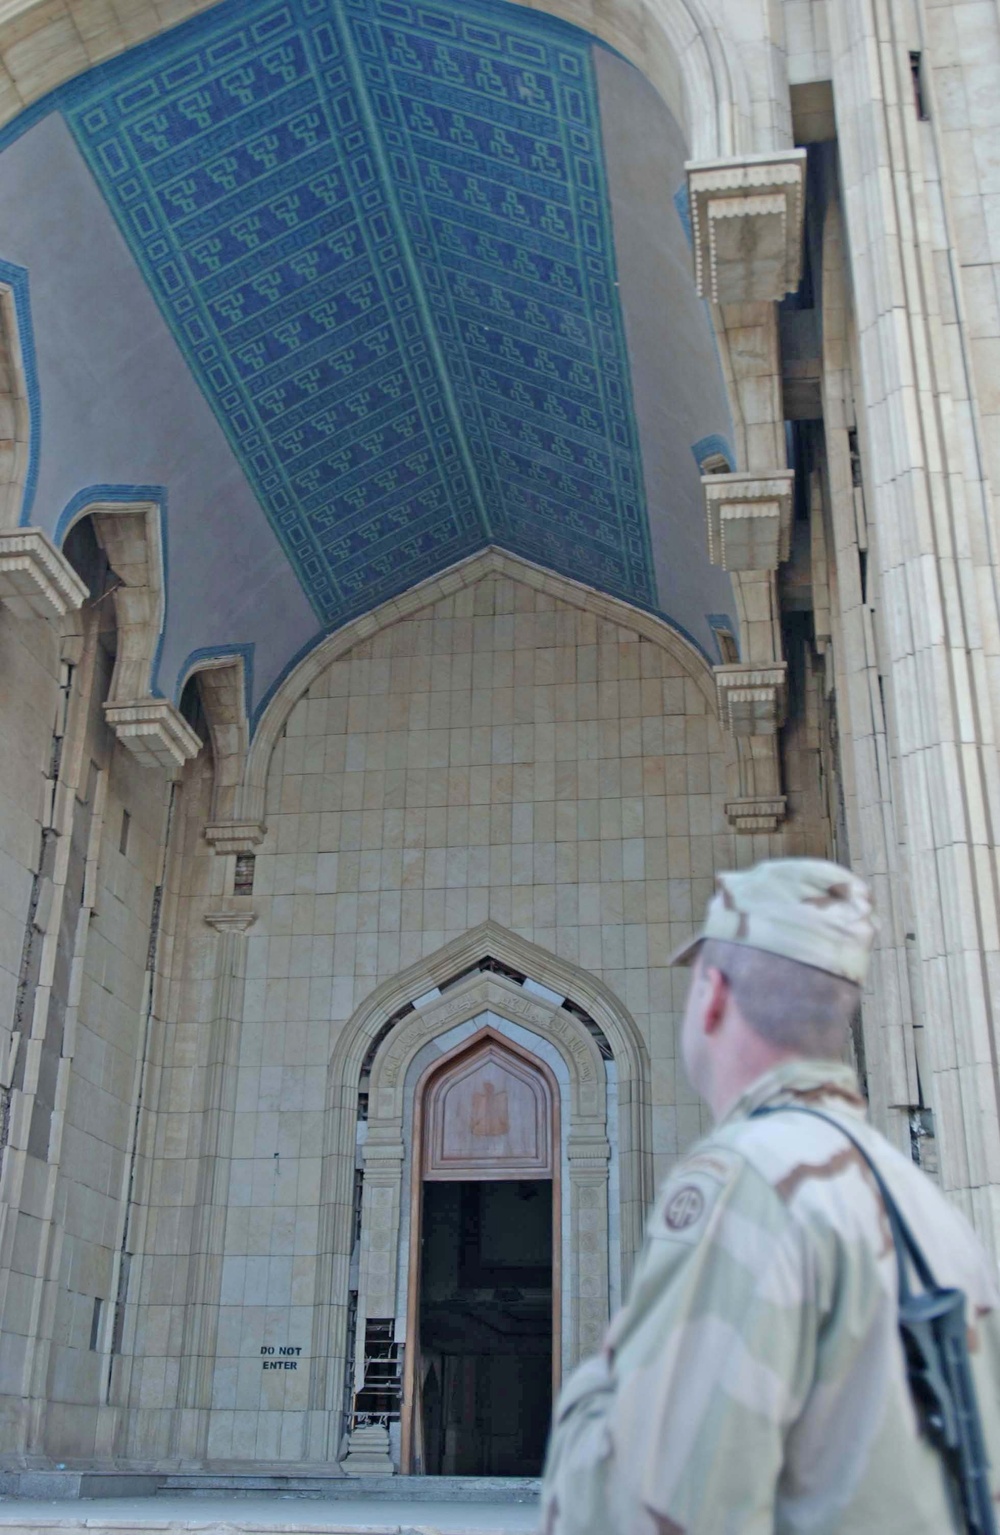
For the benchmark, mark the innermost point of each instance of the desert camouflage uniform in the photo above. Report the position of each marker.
(754, 1382)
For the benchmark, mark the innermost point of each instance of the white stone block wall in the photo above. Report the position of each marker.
(807, 42)
(103, 1085)
(500, 754)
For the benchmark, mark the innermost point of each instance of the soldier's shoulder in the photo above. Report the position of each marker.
(714, 1172)
(819, 1169)
(790, 1152)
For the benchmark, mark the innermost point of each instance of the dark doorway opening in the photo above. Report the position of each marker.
(485, 1327)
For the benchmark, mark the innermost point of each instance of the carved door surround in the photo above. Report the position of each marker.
(587, 1146)
(385, 1035)
(487, 1110)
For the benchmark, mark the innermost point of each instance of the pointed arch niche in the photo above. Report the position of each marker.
(388, 1117)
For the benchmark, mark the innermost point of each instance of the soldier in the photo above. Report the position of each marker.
(755, 1380)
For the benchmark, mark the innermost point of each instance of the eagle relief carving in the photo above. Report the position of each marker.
(489, 1110)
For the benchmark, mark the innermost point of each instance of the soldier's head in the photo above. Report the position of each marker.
(777, 972)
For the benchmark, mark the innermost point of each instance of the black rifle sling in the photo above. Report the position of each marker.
(932, 1327)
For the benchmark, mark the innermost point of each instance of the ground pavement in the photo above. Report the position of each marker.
(274, 1514)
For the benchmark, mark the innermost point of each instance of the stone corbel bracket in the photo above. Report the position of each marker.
(36, 580)
(154, 731)
(222, 686)
(746, 225)
(756, 814)
(231, 921)
(752, 702)
(749, 519)
(235, 836)
(752, 698)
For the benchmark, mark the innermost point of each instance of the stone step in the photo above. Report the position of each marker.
(333, 1484)
(61, 1486)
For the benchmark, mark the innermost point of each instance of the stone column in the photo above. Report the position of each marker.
(211, 1203)
(333, 1272)
(867, 770)
(934, 550)
(368, 1445)
(586, 1282)
(43, 1042)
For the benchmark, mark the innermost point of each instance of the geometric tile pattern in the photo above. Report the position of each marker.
(379, 231)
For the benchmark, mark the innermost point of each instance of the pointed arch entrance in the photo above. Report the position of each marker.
(556, 1014)
(484, 1295)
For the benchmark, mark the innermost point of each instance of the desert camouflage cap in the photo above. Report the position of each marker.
(801, 908)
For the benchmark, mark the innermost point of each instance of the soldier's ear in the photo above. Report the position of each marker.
(716, 998)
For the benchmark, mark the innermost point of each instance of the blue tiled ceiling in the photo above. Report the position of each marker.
(380, 232)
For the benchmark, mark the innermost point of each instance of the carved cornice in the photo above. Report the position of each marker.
(746, 223)
(235, 836)
(154, 731)
(752, 698)
(36, 580)
(749, 518)
(588, 1151)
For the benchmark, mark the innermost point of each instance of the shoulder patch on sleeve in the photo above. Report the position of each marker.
(686, 1200)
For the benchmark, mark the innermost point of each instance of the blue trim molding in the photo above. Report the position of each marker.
(16, 279)
(682, 203)
(712, 447)
(83, 499)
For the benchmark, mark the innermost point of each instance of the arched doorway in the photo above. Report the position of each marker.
(484, 1300)
(488, 980)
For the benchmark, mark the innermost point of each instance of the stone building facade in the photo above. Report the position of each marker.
(468, 473)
